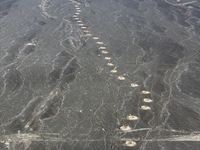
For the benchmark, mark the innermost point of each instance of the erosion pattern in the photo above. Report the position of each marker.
(99, 74)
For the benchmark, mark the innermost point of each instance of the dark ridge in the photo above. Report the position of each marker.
(146, 40)
(69, 74)
(132, 4)
(131, 22)
(189, 82)
(165, 8)
(14, 49)
(195, 23)
(13, 81)
(182, 117)
(196, 13)
(52, 108)
(158, 29)
(77, 42)
(5, 6)
(19, 122)
(181, 16)
(50, 111)
(158, 86)
(40, 22)
(173, 13)
(55, 74)
(29, 49)
(67, 79)
(72, 67)
(168, 52)
(58, 64)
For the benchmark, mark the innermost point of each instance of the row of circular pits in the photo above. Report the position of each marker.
(102, 47)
